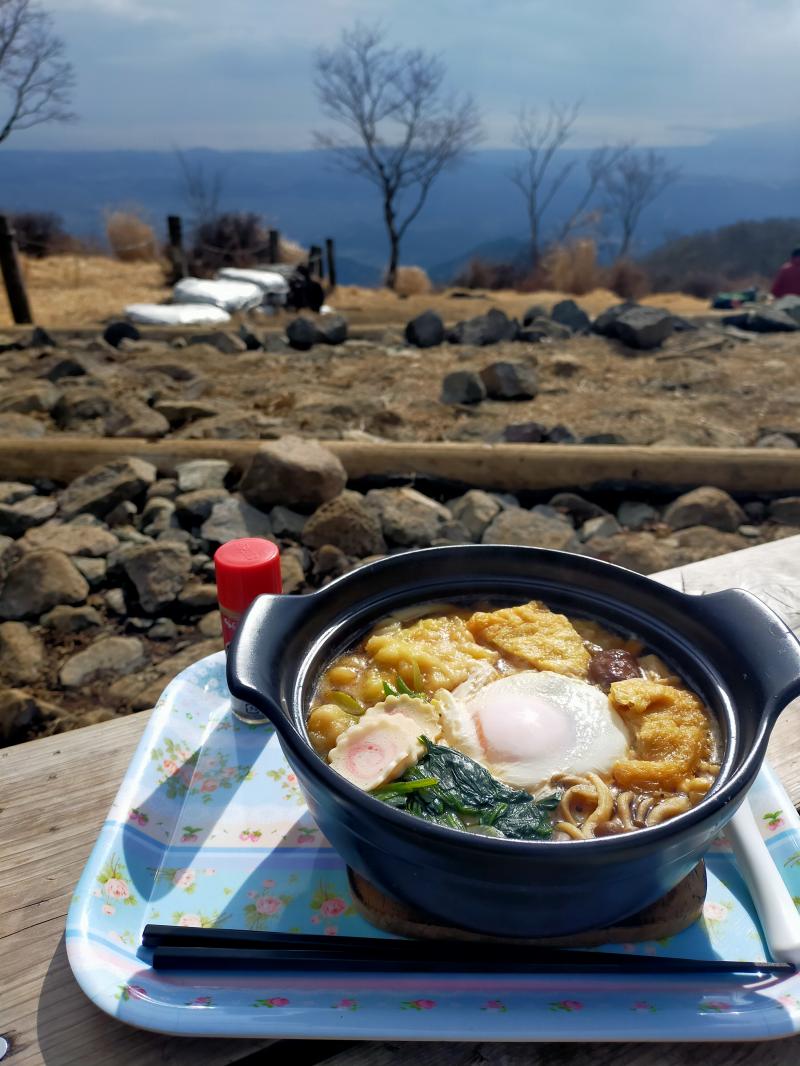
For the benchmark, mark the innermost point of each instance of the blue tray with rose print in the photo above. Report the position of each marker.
(209, 828)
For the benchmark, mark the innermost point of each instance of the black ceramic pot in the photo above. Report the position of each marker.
(730, 648)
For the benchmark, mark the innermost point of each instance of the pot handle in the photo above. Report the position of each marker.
(767, 648)
(254, 664)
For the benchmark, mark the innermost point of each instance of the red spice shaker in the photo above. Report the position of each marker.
(245, 568)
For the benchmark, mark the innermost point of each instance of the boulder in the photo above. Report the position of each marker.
(524, 433)
(474, 510)
(452, 533)
(287, 523)
(491, 328)
(641, 552)
(568, 313)
(158, 573)
(302, 334)
(292, 471)
(68, 366)
(198, 595)
(510, 381)
(786, 511)
(348, 524)
(517, 526)
(71, 538)
(16, 518)
(606, 322)
(141, 689)
(580, 510)
(115, 332)
(106, 658)
(330, 562)
(193, 508)
(131, 417)
(103, 487)
(704, 542)
(14, 491)
(30, 399)
(706, 506)
(15, 425)
(407, 518)
(82, 404)
(643, 328)
(462, 386)
(66, 620)
(560, 435)
(332, 329)
(22, 654)
(425, 331)
(234, 518)
(763, 319)
(38, 581)
(635, 515)
(544, 329)
(534, 311)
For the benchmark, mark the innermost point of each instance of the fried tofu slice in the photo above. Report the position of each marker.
(442, 649)
(671, 734)
(534, 635)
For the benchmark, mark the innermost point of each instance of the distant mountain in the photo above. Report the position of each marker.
(504, 250)
(740, 174)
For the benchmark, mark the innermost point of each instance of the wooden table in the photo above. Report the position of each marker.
(46, 1018)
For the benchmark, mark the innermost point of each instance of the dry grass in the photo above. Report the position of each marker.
(412, 281)
(132, 239)
(290, 251)
(572, 268)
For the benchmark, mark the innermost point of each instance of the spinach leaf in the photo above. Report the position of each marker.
(527, 821)
(464, 784)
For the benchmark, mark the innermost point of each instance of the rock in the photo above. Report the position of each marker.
(28, 399)
(158, 572)
(606, 322)
(71, 538)
(16, 518)
(193, 508)
(330, 562)
(103, 487)
(286, 523)
(123, 514)
(347, 523)
(786, 511)
(544, 329)
(6, 556)
(302, 334)
(40, 338)
(510, 381)
(181, 412)
(641, 552)
(579, 509)
(474, 510)
(763, 319)
(776, 440)
(332, 329)
(788, 305)
(491, 328)
(107, 657)
(755, 510)
(158, 516)
(132, 418)
(226, 343)
(452, 533)
(82, 404)
(294, 472)
(198, 595)
(14, 425)
(20, 711)
(407, 517)
(163, 629)
(119, 331)
(38, 581)
(292, 574)
(142, 690)
(115, 601)
(517, 526)
(202, 474)
(425, 331)
(94, 570)
(560, 435)
(565, 366)
(601, 526)
(704, 542)
(751, 532)
(705, 506)
(228, 426)
(534, 312)
(68, 366)
(635, 515)
(604, 438)
(462, 386)
(567, 313)
(165, 487)
(22, 655)
(65, 620)
(210, 625)
(524, 433)
(14, 491)
(643, 328)
(234, 518)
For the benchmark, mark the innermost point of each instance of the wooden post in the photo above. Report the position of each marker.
(177, 254)
(12, 274)
(331, 263)
(274, 242)
(315, 261)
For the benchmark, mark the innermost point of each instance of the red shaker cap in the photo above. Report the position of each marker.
(246, 568)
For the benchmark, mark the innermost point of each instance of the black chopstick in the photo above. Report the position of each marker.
(178, 948)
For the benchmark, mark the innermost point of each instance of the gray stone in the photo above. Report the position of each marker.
(789, 305)
(15, 425)
(644, 328)
(287, 523)
(116, 332)
(234, 518)
(704, 542)
(132, 418)
(560, 435)
(30, 399)
(579, 509)
(517, 526)
(38, 581)
(568, 313)
(210, 625)
(534, 311)
(107, 657)
(330, 562)
(202, 474)
(474, 510)
(544, 329)
(407, 518)
(763, 319)
(294, 472)
(755, 510)
(16, 518)
(302, 334)
(123, 514)
(786, 511)
(347, 523)
(94, 570)
(510, 381)
(22, 654)
(68, 366)
(641, 552)
(14, 491)
(462, 386)
(606, 322)
(706, 506)
(776, 440)
(332, 329)
(165, 487)
(604, 438)
(292, 572)
(198, 595)
(181, 412)
(65, 620)
(635, 515)
(491, 328)
(158, 516)
(425, 331)
(115, 601)
(20, 711)
(158, 572)
(82, 404)
(226, 343)
(452, 533)
(601, 526)
(71, 538)
(524, 433)
(751, 532)
(193, 508)
(163, 629)
(103, 487)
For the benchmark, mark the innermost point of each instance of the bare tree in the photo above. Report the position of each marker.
(34, 75)
(599, 163)
(400, 129)
(203, 189)
(632, 185)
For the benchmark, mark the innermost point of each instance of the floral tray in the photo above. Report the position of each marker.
(209, 828)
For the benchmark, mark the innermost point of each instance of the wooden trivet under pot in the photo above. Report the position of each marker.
(670, 915)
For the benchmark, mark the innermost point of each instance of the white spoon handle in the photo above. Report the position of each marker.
(775, 907)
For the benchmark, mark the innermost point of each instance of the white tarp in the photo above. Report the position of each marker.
(268, 281)
(176, 314)
(227, 294)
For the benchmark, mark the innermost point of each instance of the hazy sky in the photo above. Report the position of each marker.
(238, 73)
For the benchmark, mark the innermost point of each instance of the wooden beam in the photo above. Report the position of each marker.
(504, 467)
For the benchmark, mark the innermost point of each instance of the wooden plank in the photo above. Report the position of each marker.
(504, 467)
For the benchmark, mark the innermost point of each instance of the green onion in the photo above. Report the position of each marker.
(347, 703)
(401, 788)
